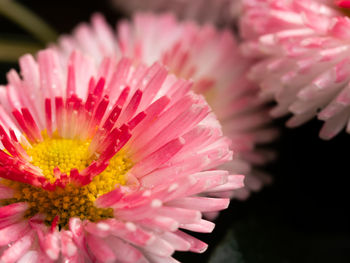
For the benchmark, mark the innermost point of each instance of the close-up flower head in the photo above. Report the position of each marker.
(100, 162)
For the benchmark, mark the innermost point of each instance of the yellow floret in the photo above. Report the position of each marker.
(71, 201)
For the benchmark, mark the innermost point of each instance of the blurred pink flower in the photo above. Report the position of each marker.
(303, 51)
(219, 12)
(105, 162)
(210, 58)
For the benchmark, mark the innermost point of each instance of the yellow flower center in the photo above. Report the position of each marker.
(72, 201)
(65, 154)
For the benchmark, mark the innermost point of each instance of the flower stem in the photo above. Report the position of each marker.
(27, 20)
(10, 50)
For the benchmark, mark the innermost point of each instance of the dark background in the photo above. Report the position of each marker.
(302, 217)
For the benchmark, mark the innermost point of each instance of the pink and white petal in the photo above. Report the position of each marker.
(18, 248)
(13, 232)
(100, 249)
(125, 253)
(197, 246)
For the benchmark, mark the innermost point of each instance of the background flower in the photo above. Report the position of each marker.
(303, 47)
(220, 12)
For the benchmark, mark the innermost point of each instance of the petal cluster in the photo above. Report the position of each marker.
(209, 57)
(153, 119)
(303, 50)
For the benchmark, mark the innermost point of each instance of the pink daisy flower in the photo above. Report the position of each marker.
(219, 12)
(105, 162)
(210, 58)
(303, 47)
